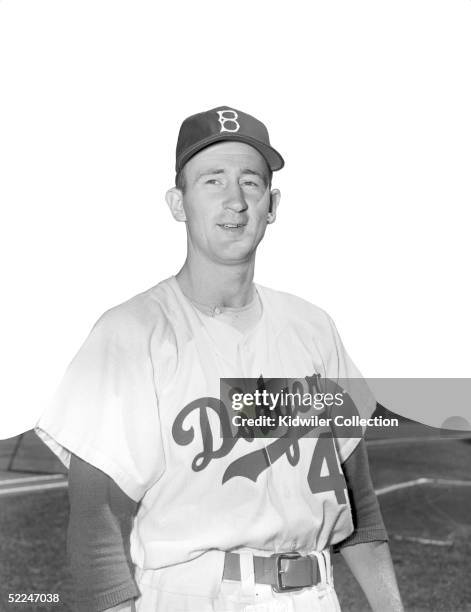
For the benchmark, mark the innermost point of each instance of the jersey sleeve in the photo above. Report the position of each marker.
(105, 410)
(359, 400)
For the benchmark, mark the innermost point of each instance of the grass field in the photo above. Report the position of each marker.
(433, 576)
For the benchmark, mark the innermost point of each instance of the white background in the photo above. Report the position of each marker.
(368, 101)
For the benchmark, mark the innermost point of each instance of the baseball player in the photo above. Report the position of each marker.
(169, 511)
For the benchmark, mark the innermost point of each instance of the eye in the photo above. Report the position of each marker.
(251, 183)
(212, 182)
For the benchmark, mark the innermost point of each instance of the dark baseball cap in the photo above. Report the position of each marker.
(220, 124)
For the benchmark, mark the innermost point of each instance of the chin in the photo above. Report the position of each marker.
(235, 255)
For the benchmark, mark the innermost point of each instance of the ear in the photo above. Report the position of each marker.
(174, 199)
(275, 196)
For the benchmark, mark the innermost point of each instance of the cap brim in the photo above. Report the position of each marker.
(271, 155)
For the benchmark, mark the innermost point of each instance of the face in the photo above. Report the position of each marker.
(227, 202)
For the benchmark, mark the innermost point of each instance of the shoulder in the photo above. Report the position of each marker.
(137, 318)
(292, 306)
(302, 320)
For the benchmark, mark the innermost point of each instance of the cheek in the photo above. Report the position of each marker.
(198, 216)
(199, 227)
(262, 207)
(260, 216)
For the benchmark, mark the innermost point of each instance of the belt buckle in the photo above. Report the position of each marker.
(278, 587)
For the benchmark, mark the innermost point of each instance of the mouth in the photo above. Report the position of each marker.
(232, 226)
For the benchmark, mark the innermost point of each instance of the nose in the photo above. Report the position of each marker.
(235, 199)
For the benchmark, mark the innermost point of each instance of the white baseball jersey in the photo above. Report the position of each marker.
(140, 401)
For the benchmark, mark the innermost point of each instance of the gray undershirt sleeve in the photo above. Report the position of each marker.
(366, 514)
(100, 523)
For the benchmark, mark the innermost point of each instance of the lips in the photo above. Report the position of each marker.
(231, 225)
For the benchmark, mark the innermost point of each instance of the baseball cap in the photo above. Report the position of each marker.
(224, 123)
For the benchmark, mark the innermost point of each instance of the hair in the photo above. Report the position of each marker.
(180, 182)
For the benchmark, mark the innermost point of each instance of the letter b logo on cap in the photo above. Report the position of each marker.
(228, 120)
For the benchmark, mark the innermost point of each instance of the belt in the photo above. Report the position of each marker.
(284, 571)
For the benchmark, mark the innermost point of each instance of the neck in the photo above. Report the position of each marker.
(217, 285)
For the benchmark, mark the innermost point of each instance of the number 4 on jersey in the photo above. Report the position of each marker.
(324, 454)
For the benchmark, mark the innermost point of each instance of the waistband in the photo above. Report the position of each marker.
(204, 574)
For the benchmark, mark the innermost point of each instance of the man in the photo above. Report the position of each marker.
(222, 522)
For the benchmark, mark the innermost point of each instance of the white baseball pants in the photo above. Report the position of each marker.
(243, 595)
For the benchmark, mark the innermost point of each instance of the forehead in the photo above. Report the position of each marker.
(227, 155)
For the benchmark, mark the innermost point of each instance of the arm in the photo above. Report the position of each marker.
(366, 550)
(100, 523)
(371, 564)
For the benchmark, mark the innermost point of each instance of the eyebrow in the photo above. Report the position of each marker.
(255, 172)
(262, 175)
(210, 171)
(213, 171)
